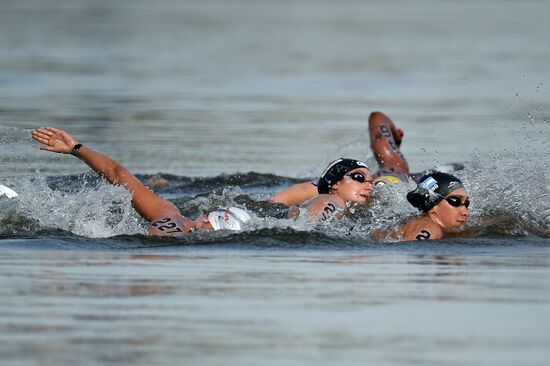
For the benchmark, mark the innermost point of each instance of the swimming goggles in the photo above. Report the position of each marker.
(358, 177)
(456, 202)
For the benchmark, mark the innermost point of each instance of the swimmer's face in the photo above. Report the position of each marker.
(449, 216)
(202, 223)
(356, 186)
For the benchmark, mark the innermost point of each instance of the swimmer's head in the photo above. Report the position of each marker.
(432, 189)
(228, 218)
(336, 171)
(386, 179)
(443, 198)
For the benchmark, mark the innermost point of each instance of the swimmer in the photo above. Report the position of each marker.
(385, 140)
(344, 182)
(164, 218)
(443, 202)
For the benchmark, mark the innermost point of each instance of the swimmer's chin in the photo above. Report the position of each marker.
(460, 226)
(361, 199)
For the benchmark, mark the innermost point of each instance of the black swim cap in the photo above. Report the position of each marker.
(431, 189)
(336, 171)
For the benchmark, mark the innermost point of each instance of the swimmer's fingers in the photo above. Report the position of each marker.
(40, 133)
(54, 139)
(39, 136)
(49, 148)
(398, 136)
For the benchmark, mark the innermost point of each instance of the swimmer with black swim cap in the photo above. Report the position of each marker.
(344, 182)
(443, 202)
(163, 216)
(385, 140)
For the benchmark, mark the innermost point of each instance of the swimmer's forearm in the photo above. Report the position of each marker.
(296, 194)
(149, 205)
(379, 116)
(104, 165)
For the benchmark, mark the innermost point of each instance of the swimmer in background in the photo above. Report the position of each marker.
(385, 140)
(164, 218)
(344, 182)
(443, 202)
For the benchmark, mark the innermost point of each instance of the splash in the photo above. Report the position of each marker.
(504, 202)
(509, 192)
(95, 212)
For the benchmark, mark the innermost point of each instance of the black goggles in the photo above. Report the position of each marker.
(457, 202)
(359, 177)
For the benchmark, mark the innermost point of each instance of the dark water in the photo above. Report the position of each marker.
(231, 102)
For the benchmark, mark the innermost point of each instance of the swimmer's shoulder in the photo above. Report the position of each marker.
(296, 194)
(170, 225)
(421, 228)
(324, 207)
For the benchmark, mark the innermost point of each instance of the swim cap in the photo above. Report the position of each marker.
(431, 189)
(8, 192)
(228, 218)
(386, 179)
(336, 171)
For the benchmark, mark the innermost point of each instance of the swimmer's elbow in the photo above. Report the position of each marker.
(295, 195)
(118, 174)
(282, 199)
(376, 116)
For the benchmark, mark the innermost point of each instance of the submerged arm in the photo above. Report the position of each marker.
(147, 204)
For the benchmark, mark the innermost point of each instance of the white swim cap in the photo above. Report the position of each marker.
(229, 218)
(8, 192)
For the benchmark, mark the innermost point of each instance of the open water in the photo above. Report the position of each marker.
(231, 101)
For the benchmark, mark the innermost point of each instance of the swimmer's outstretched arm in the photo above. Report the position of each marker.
(147, 204)
(385, 140)
(296, 194)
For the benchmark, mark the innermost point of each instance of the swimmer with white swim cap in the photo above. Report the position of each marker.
(385, 140)
(164, 218)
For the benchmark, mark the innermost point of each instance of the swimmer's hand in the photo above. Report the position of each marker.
(398, 136)
(54, 140)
